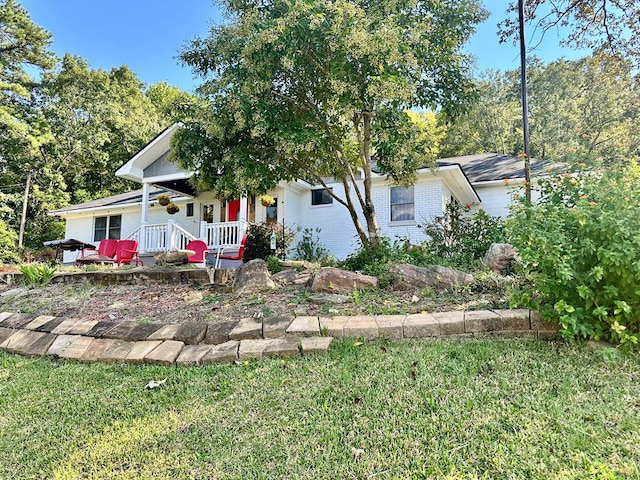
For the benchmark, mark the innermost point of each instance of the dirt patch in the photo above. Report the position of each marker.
(170, 303)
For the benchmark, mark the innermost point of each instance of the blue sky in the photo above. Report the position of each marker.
(146, 35)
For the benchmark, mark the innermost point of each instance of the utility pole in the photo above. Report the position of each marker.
(525, 103)
(23, 220)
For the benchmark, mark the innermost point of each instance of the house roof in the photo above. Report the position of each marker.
(487, 167)
(119, 200)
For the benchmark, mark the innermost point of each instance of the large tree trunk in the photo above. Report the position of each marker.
(23, 219)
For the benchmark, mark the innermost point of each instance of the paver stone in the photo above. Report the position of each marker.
(304, 327)
(17, 320)
(450, 323)
(5, 333)
(281, 347)
(166, 332)
(251, 349)
(219, 332)
(362, 326)
(120, 330)
(38, 322)
(390, 326)
(191, 333)
(117, 352)
(142, 331)
(50, 326)
(59, 344)
(246, 329)
(82, 328)
(76, 349)
(275, 327)
(226, 352)
(139, 350)
(421, 325)
(477, 321)
(333, 326)
(66, 325)
(313, 345)
(514, 319)
(165, 353)
(193, 354)
(96, 349)
(28, 343)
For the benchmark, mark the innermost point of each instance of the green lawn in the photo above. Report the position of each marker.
(442, 409)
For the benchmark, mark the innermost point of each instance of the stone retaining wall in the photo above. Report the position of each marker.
(202, 343)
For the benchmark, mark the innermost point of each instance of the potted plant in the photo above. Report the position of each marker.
(267, 200)
(172, 208)
(163, 199)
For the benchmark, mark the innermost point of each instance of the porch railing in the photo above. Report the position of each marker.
(161, 237)
(216, 234)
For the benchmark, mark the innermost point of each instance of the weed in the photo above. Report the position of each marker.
(36, 274)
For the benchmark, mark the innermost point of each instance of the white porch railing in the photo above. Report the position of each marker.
(162, 237)
(217, 234)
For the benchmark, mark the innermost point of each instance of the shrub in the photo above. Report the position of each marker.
(273, 264)
(38, 274)
(310, 248)
(458, 240)
(581, 249)
(372, 260)
(259, 241)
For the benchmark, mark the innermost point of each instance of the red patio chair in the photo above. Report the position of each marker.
(223, 256)
(107, 248)
(201, 249)
(127, 252)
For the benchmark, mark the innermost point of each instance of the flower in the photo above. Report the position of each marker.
(267, 200)
(506, 181)
(468, 205)
(584, 135)
(522, 155)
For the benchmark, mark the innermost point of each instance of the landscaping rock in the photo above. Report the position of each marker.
(38, 322)
(333, 326)
(332, 280)
(75, 350)
(292, 277)
(191, 333)
(17, 320)
(139, 350)
(59, 344)
(500, 257)
(253, 277)
(5, 333)
(362, 326)
(390, 326)
(193, 298)
(28, 343)
(252, 349)
(165, 332)
(411, 276)
(324, 298)
(14, 292)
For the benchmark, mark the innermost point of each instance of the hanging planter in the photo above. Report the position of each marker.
(172, 208)
(163, 200)
(267, 200)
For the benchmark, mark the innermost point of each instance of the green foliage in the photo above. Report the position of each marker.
(273, 264)
(580, 247)
(36, 274)
(310, 248)
(259, 241)
(311, 89)
(459, 240)
(8, 245)
(373, 260)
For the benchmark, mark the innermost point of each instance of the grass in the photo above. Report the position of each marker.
(443, 409)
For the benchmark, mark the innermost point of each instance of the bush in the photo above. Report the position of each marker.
(460, 241)
(259, 241)
(310, 249)
(581, 249)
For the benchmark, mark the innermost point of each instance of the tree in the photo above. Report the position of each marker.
(610, 27)
(579, 108)
(317, 89)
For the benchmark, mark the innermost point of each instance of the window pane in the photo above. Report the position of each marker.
(115, 222)
(401, 195)
(402, 212)
(321, 197)
(100, 229)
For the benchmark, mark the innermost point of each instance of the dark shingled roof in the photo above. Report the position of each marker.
(487, 167)
(126, 198)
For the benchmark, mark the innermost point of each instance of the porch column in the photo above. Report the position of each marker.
(242, 214)
(143, 218)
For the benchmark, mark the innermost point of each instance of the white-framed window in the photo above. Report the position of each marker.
(320, 196)
(402, 204)
(107, 227)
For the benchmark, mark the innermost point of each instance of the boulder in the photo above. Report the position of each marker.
(500, 257)
(253, 277)
(410, 276)
(172, 257)
(335, 280)
(292, 277)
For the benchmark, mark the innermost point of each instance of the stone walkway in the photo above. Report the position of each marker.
(249, 338)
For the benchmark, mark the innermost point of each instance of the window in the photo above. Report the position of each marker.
(107, 227)
(321, 197)
(189, 209)
(402, 206)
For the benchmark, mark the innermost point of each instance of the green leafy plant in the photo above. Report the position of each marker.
(36, 274)
(273, 264)
(580, 248)
(310, 248)
(459, 240)
(259, 241)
